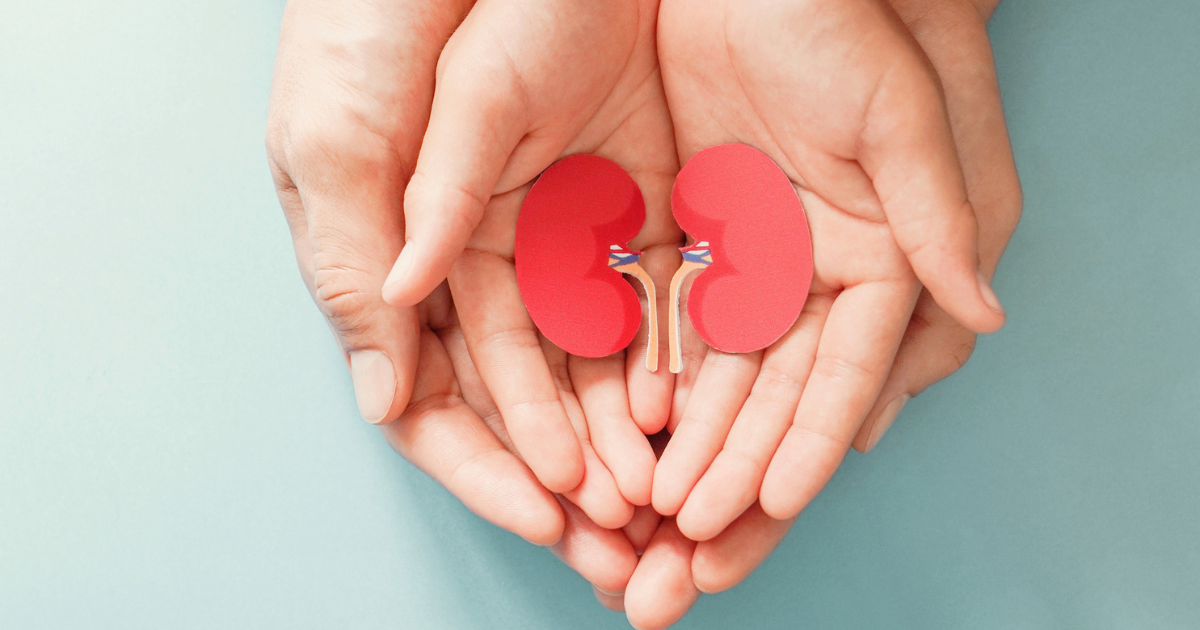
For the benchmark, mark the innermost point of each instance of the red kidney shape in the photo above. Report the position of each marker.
(576, 211)
(738, 200)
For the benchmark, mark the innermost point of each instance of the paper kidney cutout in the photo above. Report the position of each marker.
(570, 254)
(753, 250)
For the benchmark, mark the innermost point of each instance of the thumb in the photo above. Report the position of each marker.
(909, 152)
(346, 224)
(476, 121)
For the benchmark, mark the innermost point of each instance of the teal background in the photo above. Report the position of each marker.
(179, 446)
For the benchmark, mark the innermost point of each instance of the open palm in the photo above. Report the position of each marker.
(520, 85)
(842, 99)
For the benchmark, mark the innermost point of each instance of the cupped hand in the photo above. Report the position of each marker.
(350, 99)
(953, 36)
(470, 453)
(452, 431)
(520, 85)
(844, 99)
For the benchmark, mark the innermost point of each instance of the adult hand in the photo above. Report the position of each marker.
(521, 84)
(452, 430)
(953, 36)
(350, 99)
(877, 165)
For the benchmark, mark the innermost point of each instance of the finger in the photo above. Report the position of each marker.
(470, 384)
(602, 556)
(693, 352)
(661, 590)
(934, 347)
(505, 348)
(495, 91)
(348, 192)
(612, 602)
(721, 387)
(731, 483)
(634, 144)
(724, 561)
(620, 444)
(476, 121)
(597, 494)
(641, 528)
(440, 435)
(857, 347)
(908, 151)
(955, 39)
(650, 393)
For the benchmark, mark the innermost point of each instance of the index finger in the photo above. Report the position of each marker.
(505, 348)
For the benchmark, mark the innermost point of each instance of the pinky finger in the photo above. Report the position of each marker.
(443, 437)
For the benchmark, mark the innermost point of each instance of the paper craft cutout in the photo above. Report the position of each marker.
(571, 251)
(753, 250)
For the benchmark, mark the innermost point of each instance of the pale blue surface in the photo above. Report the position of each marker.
(179, 446)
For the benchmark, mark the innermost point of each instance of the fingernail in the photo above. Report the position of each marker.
(989, 296)
(885, 419)
(374, 384)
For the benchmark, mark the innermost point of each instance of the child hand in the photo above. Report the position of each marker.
(874, 160)
(521, 84)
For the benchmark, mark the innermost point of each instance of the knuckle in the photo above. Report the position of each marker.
(460, 204)
(960, 353)
(341, 293)
(337, 142)
(273, 141)
(774, 385)
(936, 235)
(957, 351)
(940, 16)
(533, 409)
(920, 323)
(276, 154)
(841, 371)
(750, 463)
(474, 467)
(1012, 205)
(827, 438)
(1001, 204)
(562, 376)
(507, 341)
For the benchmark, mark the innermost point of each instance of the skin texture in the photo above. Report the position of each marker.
(557, 77)
(343, 132)
(871, 155)
(953, 36)
(351, 97)
(353, 94)
(350, 100)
